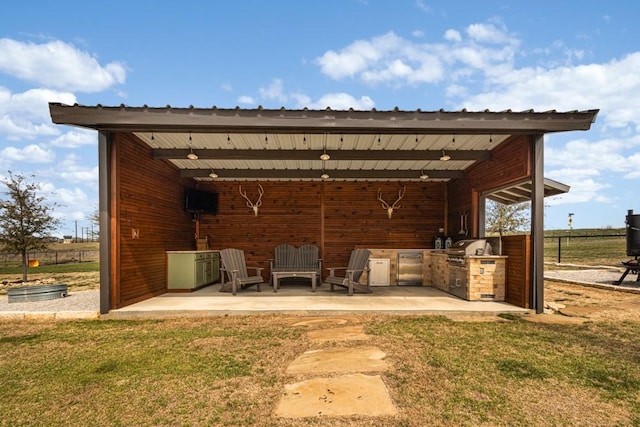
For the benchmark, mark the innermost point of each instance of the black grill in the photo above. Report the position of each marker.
(633, 234)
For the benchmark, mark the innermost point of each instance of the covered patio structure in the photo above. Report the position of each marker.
(322, 174)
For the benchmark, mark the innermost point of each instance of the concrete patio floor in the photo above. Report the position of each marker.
(296, 298)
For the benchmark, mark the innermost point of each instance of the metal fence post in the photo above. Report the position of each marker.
(559, 250)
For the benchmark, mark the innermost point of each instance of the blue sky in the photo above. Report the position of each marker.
(359, 54)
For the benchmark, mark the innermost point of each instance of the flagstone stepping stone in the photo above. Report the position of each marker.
(341, 396)
(356, 359)
(347, 333)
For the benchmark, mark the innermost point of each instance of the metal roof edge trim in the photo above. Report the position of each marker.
(129, 119)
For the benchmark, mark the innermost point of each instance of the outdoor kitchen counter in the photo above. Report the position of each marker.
(486, 277)
(392, 255)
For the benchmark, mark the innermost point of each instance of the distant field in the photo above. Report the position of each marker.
(58, 254)
(587, 246)
(54, 268)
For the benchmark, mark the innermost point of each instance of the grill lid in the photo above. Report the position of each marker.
(467, 247)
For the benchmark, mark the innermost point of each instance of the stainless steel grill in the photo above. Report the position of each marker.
(459, 250)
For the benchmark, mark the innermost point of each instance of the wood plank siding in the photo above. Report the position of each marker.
(510, 162)
(518, 249)
(150, 220)
(336, 216)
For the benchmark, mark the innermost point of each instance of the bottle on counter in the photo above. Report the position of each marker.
(448, 241)
(438, 241)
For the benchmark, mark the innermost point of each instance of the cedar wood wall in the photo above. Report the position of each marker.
(150, 199)
(336, 216)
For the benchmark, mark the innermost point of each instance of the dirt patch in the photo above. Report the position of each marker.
(596, 304)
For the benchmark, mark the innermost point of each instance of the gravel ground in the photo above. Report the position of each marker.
(605, 277)
(76, 301)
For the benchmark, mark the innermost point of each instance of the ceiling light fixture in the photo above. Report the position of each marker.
(192, 155)
(424, 176)
(445, 157)
(213, 174)
(324, 156)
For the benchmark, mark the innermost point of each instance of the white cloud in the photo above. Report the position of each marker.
(342, 101)
(358, 56)
(70, 169)
(586, 186)
(391, 59)
(246, 99)
(612, 87)
(29, 154)
(71, 196)
(591, 155)
(488, 33)
(26, 115)
(76, 138)
(420, 4)
(453, 35)
(274, 91)
(59, 65)
(634, 172)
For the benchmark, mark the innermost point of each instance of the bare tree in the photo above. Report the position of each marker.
(506, 218)
(94, 217)
(26, 222)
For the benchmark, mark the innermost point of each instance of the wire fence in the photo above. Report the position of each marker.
(592, 249)
(36, 258)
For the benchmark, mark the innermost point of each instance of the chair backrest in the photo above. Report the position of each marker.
(285, 256)
(308, 257)
(358, 261)
(233, 259)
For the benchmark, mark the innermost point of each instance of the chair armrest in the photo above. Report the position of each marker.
(332, 270)
(257, 269)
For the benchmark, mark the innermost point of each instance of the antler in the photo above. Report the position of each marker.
(250, 204)
(395, 204)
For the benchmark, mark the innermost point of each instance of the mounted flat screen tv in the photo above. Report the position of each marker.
(198, 201)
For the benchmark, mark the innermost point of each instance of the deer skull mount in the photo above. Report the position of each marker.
(395, 204)
(250, 204)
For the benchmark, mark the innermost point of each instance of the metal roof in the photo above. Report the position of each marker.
(521, 191)
(282, 144)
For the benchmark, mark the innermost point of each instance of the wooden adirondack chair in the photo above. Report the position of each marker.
(235, 268)
(358, 264)
(284, 258)
(309, 259)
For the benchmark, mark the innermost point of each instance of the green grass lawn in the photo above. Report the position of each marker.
(586, 251)
(54, 268)
(230, 371)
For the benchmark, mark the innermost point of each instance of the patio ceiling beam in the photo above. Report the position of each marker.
(315, 174)
(230, 154)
